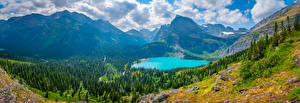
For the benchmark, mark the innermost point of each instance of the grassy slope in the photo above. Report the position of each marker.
(272, 88)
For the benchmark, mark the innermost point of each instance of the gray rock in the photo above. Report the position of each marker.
(235, 82)
(217, 87)
(242, 90)
(6, 96)
(160, 98)
(194, 88)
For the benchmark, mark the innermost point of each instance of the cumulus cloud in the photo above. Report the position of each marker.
(209, 16)
(212, 4)
(264, 8)
(231, 16)
(213, 11)
(140, 16)
(129, 14)
(185, 8)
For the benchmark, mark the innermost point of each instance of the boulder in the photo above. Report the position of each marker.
(217, 87)
(6, 96)
(194, 88)
(160, 98)
(242, 90)
(226, 77)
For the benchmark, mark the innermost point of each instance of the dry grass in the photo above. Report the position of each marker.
(274, 88)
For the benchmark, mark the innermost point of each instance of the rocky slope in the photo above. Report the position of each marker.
(12, 91)
(264, 26)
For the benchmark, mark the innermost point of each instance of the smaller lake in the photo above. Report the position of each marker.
(1, 49)
(169, 63)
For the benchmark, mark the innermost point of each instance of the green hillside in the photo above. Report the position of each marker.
(268, 71)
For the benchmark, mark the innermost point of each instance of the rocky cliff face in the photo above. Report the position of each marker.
(264, 26)
(220, 30)
(12, 91)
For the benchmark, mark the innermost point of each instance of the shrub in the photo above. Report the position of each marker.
(294, 94)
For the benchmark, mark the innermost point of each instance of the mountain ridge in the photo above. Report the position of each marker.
(62, 33)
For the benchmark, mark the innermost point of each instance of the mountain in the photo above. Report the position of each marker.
(146, 34)
(186, 36)
(264, 26)
(220, 30)
(268, 71)
(63, 34)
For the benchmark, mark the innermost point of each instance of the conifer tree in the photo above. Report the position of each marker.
(283, 33)
(47, 94)
(296, 24)
(87, 97)
(267, 38)
(288, 25)
(275, 41)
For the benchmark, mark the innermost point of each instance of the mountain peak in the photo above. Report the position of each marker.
(133, 32)
(182, 23)
(178, 16)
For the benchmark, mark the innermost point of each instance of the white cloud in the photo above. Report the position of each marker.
(185, 8)
(264, 8)
(209, 16)
(231, 16)
(212, 4)
(214, 11)
(129, 14)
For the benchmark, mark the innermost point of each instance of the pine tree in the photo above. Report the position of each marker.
(275, 41)
(296, 24)
(288, 25)
(283, 33)
(267, 38)
(87, 97)
(47, 94)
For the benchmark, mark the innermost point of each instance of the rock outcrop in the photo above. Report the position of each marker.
(158, 98)
(12, 92)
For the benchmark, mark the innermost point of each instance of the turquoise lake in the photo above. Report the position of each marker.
(169, 63)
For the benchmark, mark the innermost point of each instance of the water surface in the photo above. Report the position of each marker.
(168, 63)
(1, 49)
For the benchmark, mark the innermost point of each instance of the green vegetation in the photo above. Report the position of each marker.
(265, 54)
(265, 72)
(294, 94)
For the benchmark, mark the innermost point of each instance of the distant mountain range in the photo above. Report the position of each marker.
(67, 33)
(63, 34)
(146, 34)
(220, 30)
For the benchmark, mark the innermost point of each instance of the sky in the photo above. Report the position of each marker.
(151, 14)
